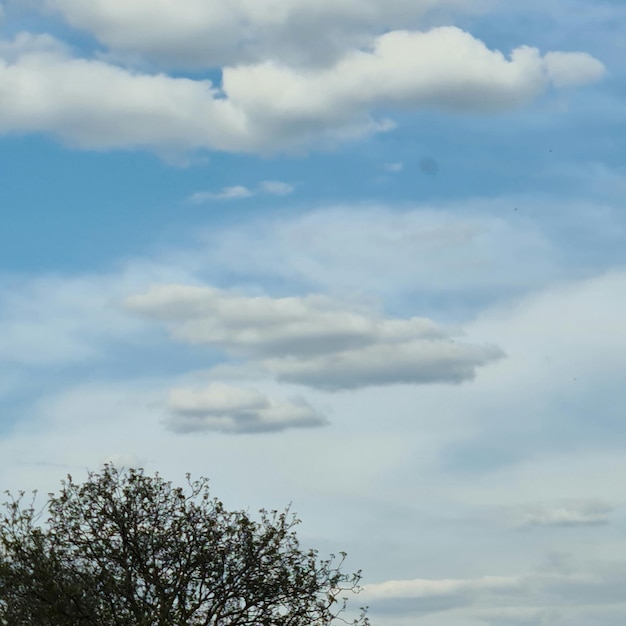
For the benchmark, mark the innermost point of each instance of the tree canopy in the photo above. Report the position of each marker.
(127, 549)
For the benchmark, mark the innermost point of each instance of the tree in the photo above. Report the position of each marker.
(126, 549)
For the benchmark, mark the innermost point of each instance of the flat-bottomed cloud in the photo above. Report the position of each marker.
(229, 409)
(312, 340)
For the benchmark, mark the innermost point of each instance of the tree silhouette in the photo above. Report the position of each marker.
(126, 549)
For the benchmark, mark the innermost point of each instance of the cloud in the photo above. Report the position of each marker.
(567, 514)
(270, 187)
(568, 69)
(209, 33)
(410, 362)
(445, 67)
(392, 436)
(229, 409)
(421, 587)
(28, 43)
(523, 598)
(418, 252)
(428, 595)
(268, 106)
(104, 106)
(312, 340)
(227, 193)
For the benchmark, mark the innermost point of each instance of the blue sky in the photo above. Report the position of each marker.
(366, 257)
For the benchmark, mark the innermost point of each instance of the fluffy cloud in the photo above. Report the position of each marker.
(104, 106)
(445, 67)
(201, 33)
(267, 106)
(263, 326)
(231, 409)
(312, 341)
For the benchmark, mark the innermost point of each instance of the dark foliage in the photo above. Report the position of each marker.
(126, 549)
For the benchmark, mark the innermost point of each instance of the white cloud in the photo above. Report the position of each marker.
(419, 597)
(229, 409)
(424, 588)
(236, 192)
(444, 67)
(312, 341)
(231, 193)
(227, 193)
(567, 69)
(104, 106)
(266, 106)
(266, 326)
(566, 514)
(201, 33)
(521, 598)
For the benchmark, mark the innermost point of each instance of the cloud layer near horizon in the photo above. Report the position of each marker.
(551, 596)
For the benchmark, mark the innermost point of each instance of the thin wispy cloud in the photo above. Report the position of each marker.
(276, 188)
(239, 192)
(564, 515)
(236, 192)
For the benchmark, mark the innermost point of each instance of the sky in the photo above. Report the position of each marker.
(364, 257)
